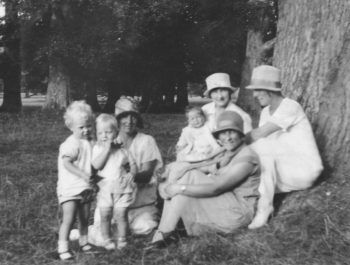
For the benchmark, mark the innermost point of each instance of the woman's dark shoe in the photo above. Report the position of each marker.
(166, 240)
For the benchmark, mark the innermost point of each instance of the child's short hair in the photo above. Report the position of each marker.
(77, 109)
(190, 108)
(107, 119)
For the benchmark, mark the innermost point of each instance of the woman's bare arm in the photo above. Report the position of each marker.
(261, 132)
(146, 172)
(223, 183)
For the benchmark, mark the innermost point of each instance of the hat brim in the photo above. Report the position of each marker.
(131, 112)
(264, 88)
(216, 132)
(207, 92)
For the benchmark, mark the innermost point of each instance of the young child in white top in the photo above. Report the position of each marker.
(196, 141)
(117, 188)
(74, 175)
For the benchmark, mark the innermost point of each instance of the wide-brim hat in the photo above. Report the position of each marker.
(266, 77)
(126, 106)
(218, 80)
(228, 120)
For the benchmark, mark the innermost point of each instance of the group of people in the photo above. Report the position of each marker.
(225, 174)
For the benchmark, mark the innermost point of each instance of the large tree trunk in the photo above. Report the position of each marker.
(57, 96)
(10, 65)
(260, 43)
(313, 51)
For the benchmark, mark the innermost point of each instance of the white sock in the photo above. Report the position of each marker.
(62, 246)
(83, 240)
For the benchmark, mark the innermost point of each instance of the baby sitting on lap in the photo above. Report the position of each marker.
(196, 142)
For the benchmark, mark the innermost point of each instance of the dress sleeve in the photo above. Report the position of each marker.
(148, 151)
(70, 148)
(183, 139)
(287, 114)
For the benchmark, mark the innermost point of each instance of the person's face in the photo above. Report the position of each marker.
(105, 132)
(221, 97)
(263, 97)
(82, 128)
(230, 139)
(195, 119)
(128, 124)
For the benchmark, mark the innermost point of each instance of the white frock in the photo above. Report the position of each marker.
(289, 157)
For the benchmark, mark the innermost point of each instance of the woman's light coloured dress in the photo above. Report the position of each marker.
(143, 213)
(290, 157)
(228, 211)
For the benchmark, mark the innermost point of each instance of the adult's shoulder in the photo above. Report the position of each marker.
(209, 107)
(290, 103)
(239, 110)
(143, 138)
(247, 153)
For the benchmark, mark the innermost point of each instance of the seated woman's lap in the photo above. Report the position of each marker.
(225, 212)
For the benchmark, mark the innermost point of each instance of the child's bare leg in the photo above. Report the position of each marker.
(83, 217)
(121, 216)
(106, 216)
(69, 210)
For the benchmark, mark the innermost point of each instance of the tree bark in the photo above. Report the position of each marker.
(313, 52)
(10, 65)
(260, 44)
(57, 96)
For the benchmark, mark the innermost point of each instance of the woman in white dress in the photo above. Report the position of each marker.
(284, 142)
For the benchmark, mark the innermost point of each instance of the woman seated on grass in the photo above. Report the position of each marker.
(211, 196)
(284, 142)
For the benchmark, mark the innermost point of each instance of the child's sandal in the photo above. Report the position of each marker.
(87, 248)
(67, 255)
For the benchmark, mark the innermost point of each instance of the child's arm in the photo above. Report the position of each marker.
(99, 161)
(183, 141)
(68, 164)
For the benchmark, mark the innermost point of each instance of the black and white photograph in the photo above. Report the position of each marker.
(175, 132)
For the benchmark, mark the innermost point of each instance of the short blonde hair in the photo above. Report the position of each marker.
(77, 109)
(107, 119)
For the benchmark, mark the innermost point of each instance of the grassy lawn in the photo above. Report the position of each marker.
(310, 227)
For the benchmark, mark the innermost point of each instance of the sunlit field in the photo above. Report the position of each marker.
(309, 227)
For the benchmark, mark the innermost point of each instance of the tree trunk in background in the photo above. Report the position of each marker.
(11, 60)
(57, 96)
(253, 58)
(313, 51)
(91, 95)
(260, 42)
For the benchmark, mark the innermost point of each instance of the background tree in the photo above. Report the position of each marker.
(261, 32)
(10, 68)
(313, 51)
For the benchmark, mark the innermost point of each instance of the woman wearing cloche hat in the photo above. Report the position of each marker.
(284, 142)
(220, 90)
(143, 213)
(219, 196)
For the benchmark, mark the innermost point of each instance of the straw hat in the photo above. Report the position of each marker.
(229, 120)
(126, 106)
(218, 80)
(266, 77)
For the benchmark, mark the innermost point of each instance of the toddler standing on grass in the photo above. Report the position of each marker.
(74, 190)
(117, 187)
(196, 141)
